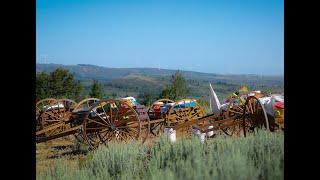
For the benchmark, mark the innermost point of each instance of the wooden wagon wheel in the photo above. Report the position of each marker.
(254, 115)
(181, 112)
(157, 127)
(110, 120)
(165, 101)
(40, 107)
(234, 112)
(83, 105)
(68, 104)
(55, 115)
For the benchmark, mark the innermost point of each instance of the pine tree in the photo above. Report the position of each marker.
(177, 89)
(42, 86)
(96, 90)
(57, 84)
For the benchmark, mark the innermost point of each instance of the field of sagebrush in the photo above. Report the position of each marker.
(259, 156)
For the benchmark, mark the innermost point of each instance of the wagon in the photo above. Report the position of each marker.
(96, 121)
(274, 105)
(100, 121)
(236, 119)
(239, 117)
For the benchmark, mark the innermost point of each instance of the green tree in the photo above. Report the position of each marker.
(57, 84)
(146, 98)
(63, 84)
(96, 90)
(177, 89)
(42, 80)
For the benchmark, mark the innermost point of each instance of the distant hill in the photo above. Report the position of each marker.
(134, 81)
(98, 72)
(86, 72)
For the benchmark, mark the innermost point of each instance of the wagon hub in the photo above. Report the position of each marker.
(113, 127)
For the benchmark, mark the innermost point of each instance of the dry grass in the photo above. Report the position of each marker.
(62, 148)
(254, 157)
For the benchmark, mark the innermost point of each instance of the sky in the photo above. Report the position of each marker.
(226, 36)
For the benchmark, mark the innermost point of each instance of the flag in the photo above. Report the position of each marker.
(243, 89)
(214, 101)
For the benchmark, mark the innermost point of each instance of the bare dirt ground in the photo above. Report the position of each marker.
(50, 151)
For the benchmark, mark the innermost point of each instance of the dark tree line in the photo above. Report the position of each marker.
(62, 84)
(57, 84)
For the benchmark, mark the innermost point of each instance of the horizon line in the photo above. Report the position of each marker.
(162, 69)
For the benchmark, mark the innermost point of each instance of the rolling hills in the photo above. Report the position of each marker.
(140, 81)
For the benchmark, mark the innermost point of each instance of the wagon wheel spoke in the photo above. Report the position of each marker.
(156, 128)
(104, 134)
(95, 128)
(101, 141)
(109, 121)
(119, 137)
(117, 115)
(106, 123)
(48, 113)
(130, 135)
(111, 109)
(51, 120)
(97, 122)
(93, 137)
(127, 113)
(194, 115)
(152, 131)
(173, 117)
(124, 135)
(109, 136)
(250, 105)
(133, 130)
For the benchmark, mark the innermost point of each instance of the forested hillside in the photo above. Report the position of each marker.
(142, 82)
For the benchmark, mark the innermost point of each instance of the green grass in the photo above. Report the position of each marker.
(257, 156)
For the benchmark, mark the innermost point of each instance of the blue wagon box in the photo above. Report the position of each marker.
(186, 104)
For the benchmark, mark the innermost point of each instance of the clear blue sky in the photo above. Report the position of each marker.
(225, 36)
